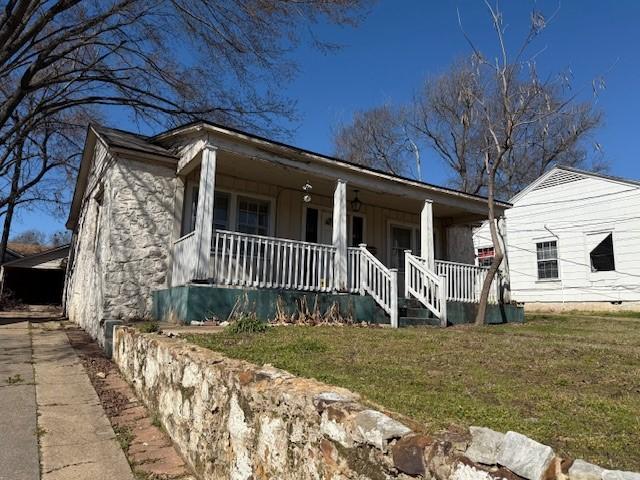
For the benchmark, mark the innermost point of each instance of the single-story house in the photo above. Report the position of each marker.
(571, 242)
(179, 224)
(36, 279)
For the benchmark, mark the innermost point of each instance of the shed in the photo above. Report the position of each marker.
(37, 279)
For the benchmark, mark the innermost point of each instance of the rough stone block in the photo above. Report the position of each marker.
(376, 428)
(467, 472)
(620, 475)
(581, 470)
(525, 457)
(485, 444)
(409, 454)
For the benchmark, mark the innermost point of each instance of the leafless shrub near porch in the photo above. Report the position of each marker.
(243, 308)
(303, 315)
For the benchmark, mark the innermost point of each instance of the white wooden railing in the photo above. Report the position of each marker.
(184, 259)
(380, 282)
(426, 286)
(464, 282)
(353, 269)
(240, 259)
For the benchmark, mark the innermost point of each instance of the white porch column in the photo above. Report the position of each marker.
(204, 212)
(426, 234)
(340, 235)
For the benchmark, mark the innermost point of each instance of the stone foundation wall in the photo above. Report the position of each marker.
(232, 419)
(122, 242)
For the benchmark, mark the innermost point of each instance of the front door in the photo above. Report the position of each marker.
(401, 240)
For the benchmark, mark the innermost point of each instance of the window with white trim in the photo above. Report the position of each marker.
(547, 257)
(253, 216)
(485, 256)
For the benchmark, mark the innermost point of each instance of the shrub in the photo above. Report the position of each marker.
(149, 327)
(247, 324)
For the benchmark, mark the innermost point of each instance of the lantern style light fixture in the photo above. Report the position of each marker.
(306, 188)
(356, 203)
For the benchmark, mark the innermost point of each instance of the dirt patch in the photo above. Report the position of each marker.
(147, 447)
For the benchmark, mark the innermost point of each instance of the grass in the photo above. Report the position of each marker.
(569, 381)
(148, 327)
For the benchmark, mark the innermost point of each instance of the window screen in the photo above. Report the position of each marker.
(253, 216)
(485, 256)
(221, 209)
(602, 258)
(547, 253)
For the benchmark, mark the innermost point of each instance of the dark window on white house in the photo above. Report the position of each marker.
(602, 258)
(547, 253)
(485, 256)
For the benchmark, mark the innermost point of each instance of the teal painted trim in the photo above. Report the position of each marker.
(459, 313)
(199, 302)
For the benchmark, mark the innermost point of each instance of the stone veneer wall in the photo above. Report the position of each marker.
(232, 419)
(122, 242)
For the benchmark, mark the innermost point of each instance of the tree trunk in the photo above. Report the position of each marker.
(8, 218)
(497, 249)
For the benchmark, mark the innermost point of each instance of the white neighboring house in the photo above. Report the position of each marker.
(572, 241)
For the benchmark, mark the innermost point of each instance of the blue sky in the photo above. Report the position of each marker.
(402, 41)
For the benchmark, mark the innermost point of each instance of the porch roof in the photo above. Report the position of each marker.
(161, 148)
(265, 145)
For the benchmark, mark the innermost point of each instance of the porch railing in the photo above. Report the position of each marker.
(353, 269)
(184, 259)
(426, 286)
(464, 282)
(241, 259)
(380, 282)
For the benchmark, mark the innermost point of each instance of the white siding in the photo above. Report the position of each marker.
(568, 212)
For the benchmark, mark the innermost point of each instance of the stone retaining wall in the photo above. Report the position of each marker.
(232, 419)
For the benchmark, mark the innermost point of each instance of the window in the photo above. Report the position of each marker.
(602, 259)
(485, 256)
(253, 216)
(221, 204)
(547, 253)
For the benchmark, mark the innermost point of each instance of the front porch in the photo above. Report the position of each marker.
(261, 222)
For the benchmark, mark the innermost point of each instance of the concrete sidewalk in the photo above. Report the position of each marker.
(76, 439)
(18, 429)
(47, 399)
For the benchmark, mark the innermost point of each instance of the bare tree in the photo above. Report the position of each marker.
(31, 236)
(162, 61)
(516, 112)
(448, 119)
(62, 237)
(379, 138)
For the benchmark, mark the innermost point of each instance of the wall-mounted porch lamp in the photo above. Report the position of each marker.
(356, 203)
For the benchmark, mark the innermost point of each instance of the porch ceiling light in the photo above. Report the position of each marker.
(356, 203)
(306, 188)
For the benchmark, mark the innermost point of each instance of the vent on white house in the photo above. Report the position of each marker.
(559, 177)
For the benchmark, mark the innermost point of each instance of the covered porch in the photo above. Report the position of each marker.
(252, 219)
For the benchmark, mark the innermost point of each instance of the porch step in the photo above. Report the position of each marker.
(416, 321)
(412, 313)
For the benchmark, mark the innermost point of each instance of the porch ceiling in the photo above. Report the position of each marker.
(378, 193)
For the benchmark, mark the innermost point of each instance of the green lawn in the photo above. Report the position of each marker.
(570, 381)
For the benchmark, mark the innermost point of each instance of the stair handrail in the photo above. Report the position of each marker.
(426, 286)
(380, 282)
